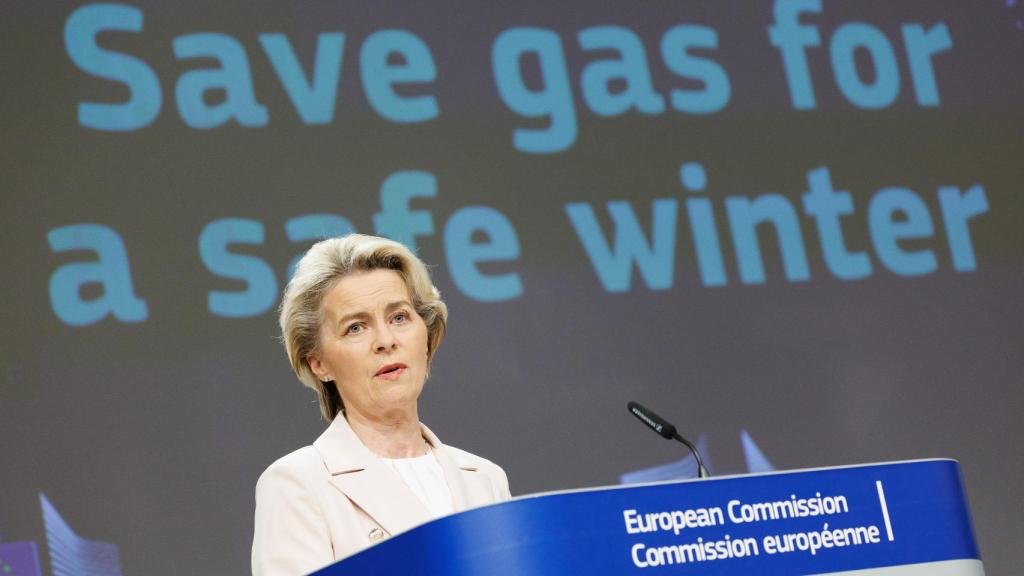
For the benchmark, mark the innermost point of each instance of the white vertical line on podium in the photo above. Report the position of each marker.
(885, 509)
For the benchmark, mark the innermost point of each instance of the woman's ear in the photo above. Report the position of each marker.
(318, 368)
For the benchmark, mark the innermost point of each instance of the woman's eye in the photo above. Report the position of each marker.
(401, 317)
(354, 329)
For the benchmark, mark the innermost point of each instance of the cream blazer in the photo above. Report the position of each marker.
(330, 500)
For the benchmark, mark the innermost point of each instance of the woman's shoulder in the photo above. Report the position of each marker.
(469, 461)
(462, 458)
(466, 459)
(293, 467)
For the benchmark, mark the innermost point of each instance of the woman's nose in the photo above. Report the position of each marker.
(385, 339)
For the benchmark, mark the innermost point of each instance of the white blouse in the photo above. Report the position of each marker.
(424, 476)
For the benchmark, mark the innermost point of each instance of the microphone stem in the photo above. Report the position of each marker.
(702, 472)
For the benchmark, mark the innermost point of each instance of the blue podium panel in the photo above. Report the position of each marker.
(899, 519)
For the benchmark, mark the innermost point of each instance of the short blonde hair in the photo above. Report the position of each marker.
(319, 270)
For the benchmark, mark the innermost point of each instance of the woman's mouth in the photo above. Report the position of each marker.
(391, 371)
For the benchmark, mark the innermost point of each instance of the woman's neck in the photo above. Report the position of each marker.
(397, 435)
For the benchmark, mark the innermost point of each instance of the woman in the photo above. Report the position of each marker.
(361, 322)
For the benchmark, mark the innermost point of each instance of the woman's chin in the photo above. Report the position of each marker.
(396, 395)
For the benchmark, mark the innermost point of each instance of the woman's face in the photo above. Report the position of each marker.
(373, 344)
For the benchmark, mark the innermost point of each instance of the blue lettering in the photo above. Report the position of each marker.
(464, 255)
(957, 210)
(789, 36)
(702, 226)
(553, 100)
(921, 46)
(261, 291)
(314, 227)
(614, 263)
(630, 68)
(886, 232)
(675, 46)
(110, 270)
(80, 31)
(380, 78)
(886, 87)
(827, 205)
(744, 217)
(313, 99)
(233, 78)
(395, 220)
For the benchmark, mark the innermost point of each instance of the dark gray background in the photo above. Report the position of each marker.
(151, 435)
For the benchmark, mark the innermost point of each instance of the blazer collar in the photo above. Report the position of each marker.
(370, 484)
(452, 470)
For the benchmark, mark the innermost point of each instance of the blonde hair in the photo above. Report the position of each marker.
(316, 274)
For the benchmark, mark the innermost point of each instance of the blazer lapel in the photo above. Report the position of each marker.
(469, 486)
(367, 481)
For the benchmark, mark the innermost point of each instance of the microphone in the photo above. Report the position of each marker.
(667, 431)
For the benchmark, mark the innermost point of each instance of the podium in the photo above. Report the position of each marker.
(893, 519)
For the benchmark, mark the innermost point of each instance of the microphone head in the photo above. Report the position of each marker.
(652, 420)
